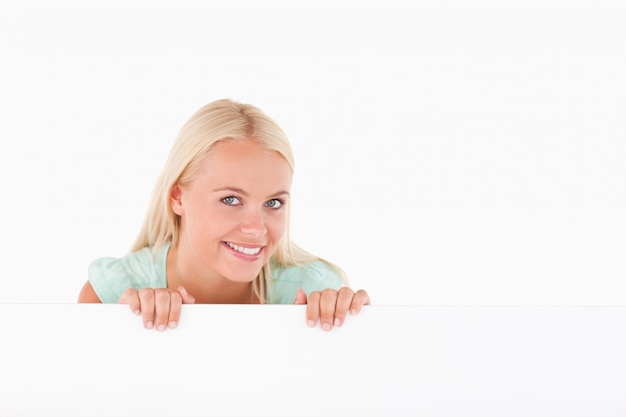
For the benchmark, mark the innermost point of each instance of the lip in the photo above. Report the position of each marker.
(244, 256)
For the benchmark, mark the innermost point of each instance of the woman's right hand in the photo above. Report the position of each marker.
(159, 307)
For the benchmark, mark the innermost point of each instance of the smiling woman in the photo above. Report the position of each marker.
(217, 230)
(230, 219)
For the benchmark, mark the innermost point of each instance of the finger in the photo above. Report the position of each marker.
(360, 299)
(146, 298)
(186, 297)
(162, 299)
(176, 304)
(300, 297)
(313, 308)
(328, 302)
(131, 298)
(344, 300)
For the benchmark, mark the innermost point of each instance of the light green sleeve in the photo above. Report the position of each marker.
(315, 276)
(110, 277)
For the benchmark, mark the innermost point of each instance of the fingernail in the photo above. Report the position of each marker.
(161, 327)
(337, 322)
(354, 312)
(137, 312)
(173, 325)
(310, 323)
(326, 326)
(149, 325)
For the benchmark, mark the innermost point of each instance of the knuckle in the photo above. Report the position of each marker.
(346, 291)
(128, 292)
(145, 292)
(363, 296)
(329, 294)
(314, 297)
(161, 296)
(175, 297)
(127, 296)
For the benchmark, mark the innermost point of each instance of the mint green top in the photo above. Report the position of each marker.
(110, 277)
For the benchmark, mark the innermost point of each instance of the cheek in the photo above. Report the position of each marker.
(211, 217)
(276, 227)
(204, 226)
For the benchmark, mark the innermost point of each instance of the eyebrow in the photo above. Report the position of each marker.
(245, 194)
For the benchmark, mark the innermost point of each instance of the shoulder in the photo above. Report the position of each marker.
(110, 277)
(314, 276)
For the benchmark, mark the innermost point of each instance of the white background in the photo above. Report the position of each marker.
(447, 152)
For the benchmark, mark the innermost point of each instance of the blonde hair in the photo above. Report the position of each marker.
(218, 121)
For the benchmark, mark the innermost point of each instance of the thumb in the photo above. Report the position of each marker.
(300, 297)
(187, 298)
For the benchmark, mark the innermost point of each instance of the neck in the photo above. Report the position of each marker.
(206, 286)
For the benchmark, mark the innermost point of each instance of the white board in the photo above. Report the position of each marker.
(232, 360)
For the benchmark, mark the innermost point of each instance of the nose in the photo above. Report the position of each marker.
(253, 223)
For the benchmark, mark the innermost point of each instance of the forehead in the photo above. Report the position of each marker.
(241, 161)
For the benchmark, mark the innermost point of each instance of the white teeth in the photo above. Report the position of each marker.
(247, 251)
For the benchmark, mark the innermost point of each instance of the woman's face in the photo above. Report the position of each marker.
(234, 212)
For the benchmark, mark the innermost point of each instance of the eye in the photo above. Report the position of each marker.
(274, 203)
(231, 201)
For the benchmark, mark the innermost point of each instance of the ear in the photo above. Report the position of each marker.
(175, 200)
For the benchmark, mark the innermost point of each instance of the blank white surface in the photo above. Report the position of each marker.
(77, 360)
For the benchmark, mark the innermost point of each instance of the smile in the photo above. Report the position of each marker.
(245, 251)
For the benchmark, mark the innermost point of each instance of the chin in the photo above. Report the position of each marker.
(242, 276)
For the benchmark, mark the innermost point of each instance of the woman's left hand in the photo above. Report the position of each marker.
(331, 306)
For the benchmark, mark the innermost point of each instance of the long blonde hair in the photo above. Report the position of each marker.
(217, 121)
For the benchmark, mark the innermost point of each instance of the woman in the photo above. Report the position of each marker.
(217, 230)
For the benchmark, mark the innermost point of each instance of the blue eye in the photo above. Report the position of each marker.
(274, 203)
(231, 201)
